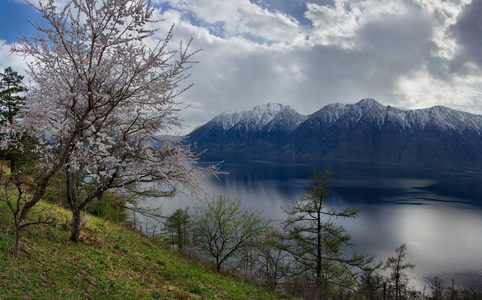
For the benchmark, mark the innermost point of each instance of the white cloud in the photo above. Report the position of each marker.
(241, 17)
(333, 25)
(58, 3)
(421, 90)
(445, 14)
(8, 59)
(339, 24)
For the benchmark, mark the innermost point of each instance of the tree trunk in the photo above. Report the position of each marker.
(318, 249)
(398, 295)
(16, 243)
(13, 165)
(76, 228)
(218, 265)
(72, 198)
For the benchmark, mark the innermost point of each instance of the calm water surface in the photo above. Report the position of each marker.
(438, 214)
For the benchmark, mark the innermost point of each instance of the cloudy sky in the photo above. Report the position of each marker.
(306, 54)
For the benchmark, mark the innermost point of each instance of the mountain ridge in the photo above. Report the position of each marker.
(366, 131)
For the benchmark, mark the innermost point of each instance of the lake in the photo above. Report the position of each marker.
(438, 214)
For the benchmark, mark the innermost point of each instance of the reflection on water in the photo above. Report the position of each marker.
(437, 214)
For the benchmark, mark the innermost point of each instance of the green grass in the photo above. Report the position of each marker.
(110, 262)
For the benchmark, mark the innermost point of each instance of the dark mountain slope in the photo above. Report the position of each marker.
(367, 131)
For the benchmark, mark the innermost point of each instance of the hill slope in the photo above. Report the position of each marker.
(367, 131)
(111, 262)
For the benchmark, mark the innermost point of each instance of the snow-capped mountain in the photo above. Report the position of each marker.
(257, 118)
(369, 109)
(366, 132)
(262, 127)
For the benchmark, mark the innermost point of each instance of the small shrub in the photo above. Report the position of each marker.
(161, 263)
(156, 294)
(182, 294)
(196, 290)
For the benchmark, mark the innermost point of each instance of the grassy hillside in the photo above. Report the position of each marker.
(111, 262)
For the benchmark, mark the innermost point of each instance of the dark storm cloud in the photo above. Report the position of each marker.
(404, 38)
(398, 45)
(468, 34)
(386, 48)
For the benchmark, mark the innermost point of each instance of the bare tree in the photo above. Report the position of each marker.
(223, 228)
(15, 189)
(273, 262)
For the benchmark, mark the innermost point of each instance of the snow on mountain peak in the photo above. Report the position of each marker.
(271, 114)
(255, 118)
(366, 131)
(368, 102)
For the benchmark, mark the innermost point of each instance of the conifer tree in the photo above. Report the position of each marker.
(398, 277)
(316, 243)
(177, 228)
(11, 102)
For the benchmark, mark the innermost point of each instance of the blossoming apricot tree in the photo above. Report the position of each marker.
(102, 100)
